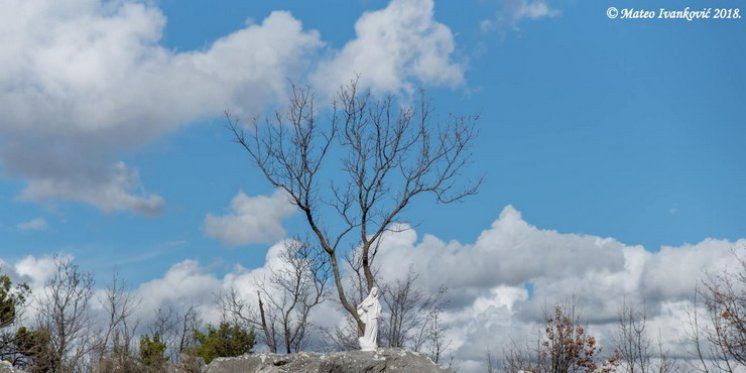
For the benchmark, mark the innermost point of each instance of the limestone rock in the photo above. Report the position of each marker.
(7, 367)
(384, 360)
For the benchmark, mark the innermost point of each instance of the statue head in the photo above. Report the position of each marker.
(374, 292)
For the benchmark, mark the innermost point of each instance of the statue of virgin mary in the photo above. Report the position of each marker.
(369, 312)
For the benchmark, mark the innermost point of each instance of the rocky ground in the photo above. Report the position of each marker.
(384, 360)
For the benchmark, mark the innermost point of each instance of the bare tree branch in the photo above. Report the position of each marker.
(393, 154)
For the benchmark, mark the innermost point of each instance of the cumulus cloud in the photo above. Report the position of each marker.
(250, 220)
(95, 83)
(514, 11)
(185, 284)
(38, 224)
(37, 270)
(394, 48)
(499, 285)
(189, 284)
(489, 280)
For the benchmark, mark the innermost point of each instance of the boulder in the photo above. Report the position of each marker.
(7, 367)
(382, 360)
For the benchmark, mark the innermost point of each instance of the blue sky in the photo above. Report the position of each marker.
(620, 128)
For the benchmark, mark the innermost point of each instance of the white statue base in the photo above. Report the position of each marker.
(365, 345)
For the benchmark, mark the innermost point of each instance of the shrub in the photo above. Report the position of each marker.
(152, 351)
(224, 341)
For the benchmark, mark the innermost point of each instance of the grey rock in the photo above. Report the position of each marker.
(7, 367)
(384, 360)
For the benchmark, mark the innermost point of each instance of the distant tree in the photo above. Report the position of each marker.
(176, 329)
(565, 347)
(393, 154)
(228, 339)
(35, 350)
(720, 340)
(285, 298)
(114, 343)
(12, 299)
(65, 315)
(412, 317)
(635, 347)
(153, 351)
(188, 322)
(568, 348)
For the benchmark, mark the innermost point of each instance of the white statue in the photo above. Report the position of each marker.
(369, 312)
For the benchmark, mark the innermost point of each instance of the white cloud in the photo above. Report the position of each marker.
(94, 84)
(256, 219)
(530, 9)
(394, 48)
(490, 304)
(36, 271)
(514, 11)
(38, 224)
(185, 284)
(189, 284)
(487, 281)
(110, 190)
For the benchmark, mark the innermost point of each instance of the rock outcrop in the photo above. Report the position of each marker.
(6, 367)
(385, 360)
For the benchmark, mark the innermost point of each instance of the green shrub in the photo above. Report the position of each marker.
(36, 348)
(11, 299)
(224, 341)
(152, 351)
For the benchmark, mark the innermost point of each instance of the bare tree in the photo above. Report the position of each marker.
(166, 325)
(175, 328)
(635, 346)
(520, 358)
(188, 323)
(412, 317)
(344, 337)
(64, 313)
(665, 364)
(632, 340)
(394, 154)
(709, 324)
(285, 298)
(720, 342)
(236, 309)
(491, 363)
(708, 355)
(116, 339)
(435, 337)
